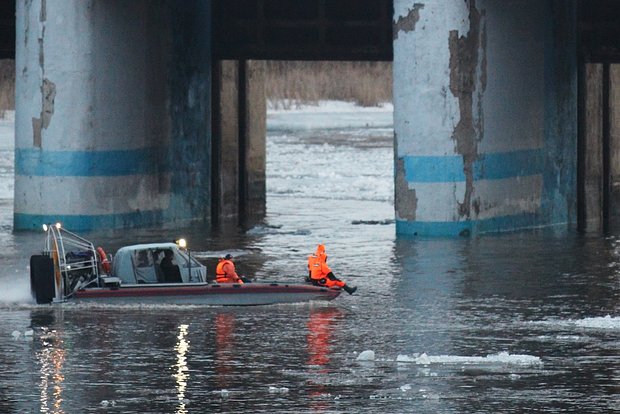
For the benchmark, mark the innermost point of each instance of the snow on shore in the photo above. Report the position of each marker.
(330, 114)
(7, 144)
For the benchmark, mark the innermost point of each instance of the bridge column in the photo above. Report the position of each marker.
(484, 115)
(599, 151)
(112, 113)
(239, 148)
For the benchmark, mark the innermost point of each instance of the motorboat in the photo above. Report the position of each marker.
(70, 268)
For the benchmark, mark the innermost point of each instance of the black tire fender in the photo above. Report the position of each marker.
(42, 284)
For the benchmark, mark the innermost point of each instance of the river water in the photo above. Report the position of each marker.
(519, 322)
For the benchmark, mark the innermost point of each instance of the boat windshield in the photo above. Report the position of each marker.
(163, 263)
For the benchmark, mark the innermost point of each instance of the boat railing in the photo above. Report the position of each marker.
(75, 260)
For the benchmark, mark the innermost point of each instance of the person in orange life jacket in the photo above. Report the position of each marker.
(321, 274)
(225, 271)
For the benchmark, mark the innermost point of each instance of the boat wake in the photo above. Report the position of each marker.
(16, 292)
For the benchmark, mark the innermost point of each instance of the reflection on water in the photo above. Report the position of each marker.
(181, 375)
(224, 348)
(51, 358)
(320, 329)
(321, 326)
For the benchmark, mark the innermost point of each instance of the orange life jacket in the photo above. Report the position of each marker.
(316, 264)
(312, 259)
(318, 267)
(222, 277)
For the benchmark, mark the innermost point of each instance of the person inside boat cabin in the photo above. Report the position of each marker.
(321, 274)
(225, 271)
(171, 272)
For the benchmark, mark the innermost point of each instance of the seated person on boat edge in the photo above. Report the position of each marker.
(320, 274)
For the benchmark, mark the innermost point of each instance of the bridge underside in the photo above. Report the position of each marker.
(151, 112)
(303, 30)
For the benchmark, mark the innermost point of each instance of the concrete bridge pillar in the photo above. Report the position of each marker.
(112, 113)
(485, 115)
(239, 148)
(599, 181)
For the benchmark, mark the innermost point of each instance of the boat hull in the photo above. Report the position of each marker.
(249, 294)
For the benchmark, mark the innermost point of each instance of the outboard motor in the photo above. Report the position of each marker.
(42, 283)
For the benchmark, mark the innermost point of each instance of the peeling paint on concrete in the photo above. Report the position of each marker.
(43, 11)
(463, 67)
(48, 88)
(48, 91)
(405, 201)
(407, 23)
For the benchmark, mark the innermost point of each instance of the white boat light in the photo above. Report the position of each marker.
(182, 243)
(58, 225)
(45, 227)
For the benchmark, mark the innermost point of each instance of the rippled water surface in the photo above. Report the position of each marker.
(495, 324)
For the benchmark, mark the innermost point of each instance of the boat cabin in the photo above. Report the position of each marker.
(156, 263)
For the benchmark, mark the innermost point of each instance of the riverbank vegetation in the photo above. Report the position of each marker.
(293, 83)
(7, 85)
(288, 84)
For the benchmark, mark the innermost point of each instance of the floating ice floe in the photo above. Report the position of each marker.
(26, 336)
(223, 393)
(606, 322)
(278, 390)
(500, 358)
(368, 355)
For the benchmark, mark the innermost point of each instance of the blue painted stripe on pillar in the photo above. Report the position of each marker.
(472, 227)
(491, 166)
(433, 228)
(24, 221)
(41, 163)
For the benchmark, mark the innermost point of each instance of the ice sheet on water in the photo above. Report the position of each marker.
(503, 358)
(599, 322)
(224, 393)
(562, 338)
(27, 335)
(368, 355)
(606, 322)
(278, 390)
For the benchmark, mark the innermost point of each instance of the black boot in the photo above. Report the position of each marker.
(349, 290)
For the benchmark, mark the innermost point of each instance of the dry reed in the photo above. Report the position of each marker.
(7, 85)
(292, 83)
(288, 83)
